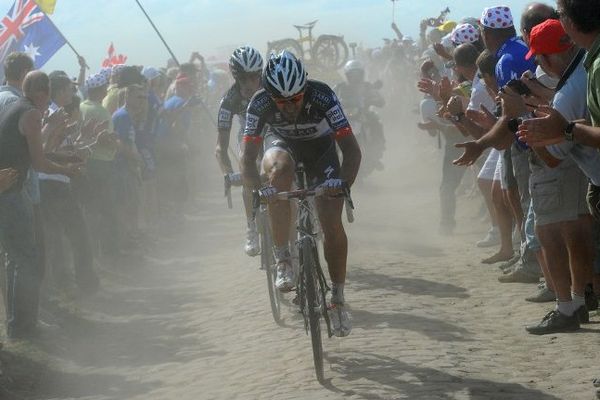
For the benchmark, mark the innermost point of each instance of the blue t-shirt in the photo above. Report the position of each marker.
(185, 119)
(511, 61)
(125, 129)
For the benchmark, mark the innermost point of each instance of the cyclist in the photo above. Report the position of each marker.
(304, 120)
(357, 96)
(245, 65)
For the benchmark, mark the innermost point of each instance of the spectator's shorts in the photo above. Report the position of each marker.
(558, 194)
(488, 171)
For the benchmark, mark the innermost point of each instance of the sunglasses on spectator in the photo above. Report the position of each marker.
(292, 100)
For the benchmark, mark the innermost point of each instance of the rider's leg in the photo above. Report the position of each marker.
(335, 242)
(279, 167)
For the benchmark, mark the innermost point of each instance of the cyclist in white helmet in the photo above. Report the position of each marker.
(304, 120)
(246, 66)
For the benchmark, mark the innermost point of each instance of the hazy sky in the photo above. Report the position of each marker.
(210, 26)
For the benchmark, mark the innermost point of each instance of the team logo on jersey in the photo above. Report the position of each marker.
(224, 115)
(251, 122)
(322, 99)
(329, 171)
(336, 115)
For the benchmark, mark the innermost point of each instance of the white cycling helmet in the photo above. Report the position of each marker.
(245, 59)
(284, 75)
(353, 65)
(354, 71)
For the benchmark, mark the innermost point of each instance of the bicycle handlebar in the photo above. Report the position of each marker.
(319, 191)
(233, 179)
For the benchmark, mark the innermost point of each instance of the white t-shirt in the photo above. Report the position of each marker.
(480, 96)
(53, 177)
(571, 102)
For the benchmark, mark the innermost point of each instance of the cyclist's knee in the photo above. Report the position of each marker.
(279, 167)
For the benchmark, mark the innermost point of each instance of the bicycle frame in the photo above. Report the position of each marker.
(306, 233)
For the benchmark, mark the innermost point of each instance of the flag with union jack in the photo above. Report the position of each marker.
(26, 28)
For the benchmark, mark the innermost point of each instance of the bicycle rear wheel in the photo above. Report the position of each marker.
(313, 307)
(268, 264)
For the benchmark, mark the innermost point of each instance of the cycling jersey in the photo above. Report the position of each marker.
(321, 116)
(232, 104)
(511, 61)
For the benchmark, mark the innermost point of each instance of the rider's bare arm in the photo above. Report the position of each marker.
(250, 150)
(221, 151)
(351, 155)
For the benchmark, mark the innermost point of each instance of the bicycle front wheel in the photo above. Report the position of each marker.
(268, 264)
(313, 306)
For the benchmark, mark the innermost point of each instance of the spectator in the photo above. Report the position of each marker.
(61, 211)
(20, 149)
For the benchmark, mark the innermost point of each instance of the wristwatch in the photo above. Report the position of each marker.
(569, 131)
(458, 117)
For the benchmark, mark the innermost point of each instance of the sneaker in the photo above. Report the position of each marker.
(252, 247)
(492, 238)
(544, 295)
(509, 265)
(518, 275)
(340, 319)
(285, 276)
(555, 322)
(583, 315)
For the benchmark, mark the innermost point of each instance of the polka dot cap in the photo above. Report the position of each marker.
(498, 17)
(465, 33)
(95, 81)
(106, 72)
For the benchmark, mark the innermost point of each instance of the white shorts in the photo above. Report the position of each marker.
(500, 170)
(488, 171)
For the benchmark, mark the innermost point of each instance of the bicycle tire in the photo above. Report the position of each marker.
(291, 45)
(330, 51)
(268, 263)
(313, 298)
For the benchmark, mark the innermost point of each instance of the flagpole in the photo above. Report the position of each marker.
(66, 40)
(158, 32)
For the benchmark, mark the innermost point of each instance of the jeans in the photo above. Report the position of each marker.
(25, 269)
(100, 205)
(63, 216)
(451, 178)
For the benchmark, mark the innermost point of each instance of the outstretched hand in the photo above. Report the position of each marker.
(547, 129)
(473, 151)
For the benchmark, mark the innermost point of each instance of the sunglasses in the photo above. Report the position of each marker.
(292, 100)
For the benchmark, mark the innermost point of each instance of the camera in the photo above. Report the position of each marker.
(518, 86)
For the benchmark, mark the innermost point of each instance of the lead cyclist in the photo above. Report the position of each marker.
(245, 65)
(304, 120)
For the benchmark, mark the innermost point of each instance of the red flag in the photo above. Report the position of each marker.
(113, 59)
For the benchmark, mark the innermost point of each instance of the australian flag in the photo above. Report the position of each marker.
(26, 28)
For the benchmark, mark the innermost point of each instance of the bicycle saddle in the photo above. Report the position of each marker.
(308, 25)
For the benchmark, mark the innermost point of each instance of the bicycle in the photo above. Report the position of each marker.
(267, 258)
(312, 285)
(326, 51)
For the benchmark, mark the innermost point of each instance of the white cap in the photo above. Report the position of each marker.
(150, 73)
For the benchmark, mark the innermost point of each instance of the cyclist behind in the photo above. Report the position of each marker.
(246, 65)
(357, 96)
(304, 120)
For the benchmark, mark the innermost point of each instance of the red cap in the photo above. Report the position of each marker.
(182, 79)
(549, 37)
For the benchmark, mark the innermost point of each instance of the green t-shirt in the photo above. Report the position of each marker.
(93, 110)
(592, 65)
